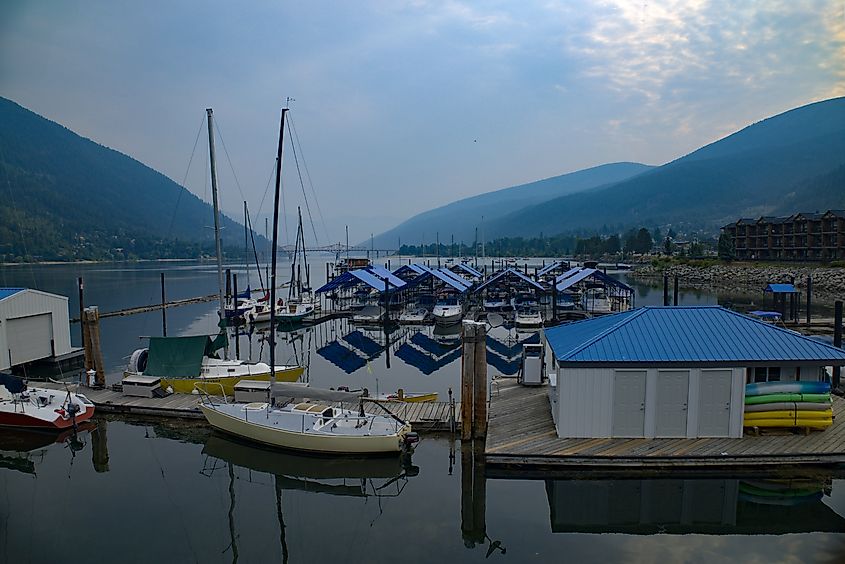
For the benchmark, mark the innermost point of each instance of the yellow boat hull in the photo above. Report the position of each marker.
(789, 414)
(789, 423)
(212, 385)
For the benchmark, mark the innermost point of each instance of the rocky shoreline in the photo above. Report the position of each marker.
(748, 276)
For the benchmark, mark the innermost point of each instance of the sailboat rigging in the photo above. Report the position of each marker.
(305, 426)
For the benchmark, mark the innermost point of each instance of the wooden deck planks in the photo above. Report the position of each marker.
(521, 432)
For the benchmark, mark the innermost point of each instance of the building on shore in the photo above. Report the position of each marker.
(803, 236)
(673, 372)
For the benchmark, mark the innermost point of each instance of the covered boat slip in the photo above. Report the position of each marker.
(521, 434)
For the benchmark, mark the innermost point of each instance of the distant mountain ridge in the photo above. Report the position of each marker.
(460, 218)
(65, 197)
(794, 161)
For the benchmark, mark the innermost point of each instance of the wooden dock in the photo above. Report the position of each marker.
(424, 416)
(521, 435)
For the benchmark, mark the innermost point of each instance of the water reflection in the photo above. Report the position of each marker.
(684, 506)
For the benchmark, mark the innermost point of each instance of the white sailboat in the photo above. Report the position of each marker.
(299, 425)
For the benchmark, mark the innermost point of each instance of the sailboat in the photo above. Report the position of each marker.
(187, 364)
(301, 302)
(301, 425)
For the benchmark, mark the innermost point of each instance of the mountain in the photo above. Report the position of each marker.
(785, 164)
(462, 217)
(65, 197)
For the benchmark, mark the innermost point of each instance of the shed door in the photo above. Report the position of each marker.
(29, 338)
(672, 394)
(714, 412)
(629, 403)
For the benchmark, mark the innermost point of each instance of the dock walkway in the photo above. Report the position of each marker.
(423, 416)
(521, 434)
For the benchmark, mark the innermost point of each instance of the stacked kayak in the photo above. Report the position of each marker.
(788, 404)
(780, 492)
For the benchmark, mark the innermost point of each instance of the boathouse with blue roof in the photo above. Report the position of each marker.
(670, 371)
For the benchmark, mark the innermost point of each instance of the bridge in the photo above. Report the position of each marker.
(339, 248)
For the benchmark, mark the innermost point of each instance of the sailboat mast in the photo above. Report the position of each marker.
(246, 246)
(274, 247)
(217, 241)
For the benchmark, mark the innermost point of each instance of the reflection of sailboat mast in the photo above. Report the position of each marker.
(282, 540)
(232, 534)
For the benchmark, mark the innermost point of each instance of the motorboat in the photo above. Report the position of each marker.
(595, 300)
(311, 427)
(369, 314)
(447, 312)
(261, 311)
(182, 363)
(528, 317)
(295, 312)
(40, 408)
(498, 304)
(413, 315)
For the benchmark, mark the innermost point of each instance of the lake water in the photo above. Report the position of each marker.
(148, 490)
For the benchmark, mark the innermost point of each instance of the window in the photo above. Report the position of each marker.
(767, 374)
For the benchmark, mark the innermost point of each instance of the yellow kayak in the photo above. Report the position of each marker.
(409, 397)
(789, 423)
(789, 414)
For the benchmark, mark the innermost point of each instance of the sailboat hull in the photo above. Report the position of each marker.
(305, 442)
(212, 384)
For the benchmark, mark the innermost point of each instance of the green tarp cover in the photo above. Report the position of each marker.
(177, 356)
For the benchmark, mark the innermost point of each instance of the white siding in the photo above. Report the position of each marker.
(33, 302)
(585, 398)
(585, 402)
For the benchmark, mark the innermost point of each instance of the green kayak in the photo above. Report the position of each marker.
(773, 398)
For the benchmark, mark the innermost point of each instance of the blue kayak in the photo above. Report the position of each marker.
(808, 387)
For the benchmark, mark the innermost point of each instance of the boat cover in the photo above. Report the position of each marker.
(180, 356)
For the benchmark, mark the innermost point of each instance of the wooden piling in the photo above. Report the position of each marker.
(809, 298)
(91, 321)
(234, 318)
(665, 289)
(837, 339)
(474, 381)
(163, 308)
(675, 292)
(88, 361)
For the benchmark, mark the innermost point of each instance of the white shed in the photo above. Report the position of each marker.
(34, 325)
(670, 371)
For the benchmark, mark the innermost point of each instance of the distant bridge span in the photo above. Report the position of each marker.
(337, 248)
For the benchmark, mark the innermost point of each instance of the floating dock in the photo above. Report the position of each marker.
(521, 436)
(423, 416)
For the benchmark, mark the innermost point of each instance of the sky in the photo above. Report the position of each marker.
(402, 106)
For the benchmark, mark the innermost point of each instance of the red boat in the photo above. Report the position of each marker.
(40, 408)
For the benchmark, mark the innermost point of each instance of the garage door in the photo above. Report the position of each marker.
(672, 394)
(29, 338)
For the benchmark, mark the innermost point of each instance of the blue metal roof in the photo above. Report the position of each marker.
(341, 357)
(781, 289)
(352, 277)
(548, 268)
(684, 334)
(450, 280)
(6, 292)
(510, 272)
(363, 343)
(455, 276)
(568, 273)
(467, 268)
(591, 273)
(385, 274)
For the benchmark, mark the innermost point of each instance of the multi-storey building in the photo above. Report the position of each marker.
(803, 236)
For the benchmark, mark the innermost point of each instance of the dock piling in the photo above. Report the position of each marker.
(474, 394)
(163, 308)
(809, 298)
(91, 322)
(81, 324)
(837, 339)
(665, 289)
(675, 292)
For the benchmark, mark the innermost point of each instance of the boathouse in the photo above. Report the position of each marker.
(670, 371)
(34, 326)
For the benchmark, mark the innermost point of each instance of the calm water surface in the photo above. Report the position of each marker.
(144, 491)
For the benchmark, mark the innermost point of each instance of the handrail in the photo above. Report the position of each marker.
(199, 387)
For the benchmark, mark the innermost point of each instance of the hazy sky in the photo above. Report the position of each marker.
(404, 106)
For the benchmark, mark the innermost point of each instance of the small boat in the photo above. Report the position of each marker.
(528, 317)
(498, 304)
(261, 312)
(295, 312)
(40, 408)
(369, 314)
(447, 311)
(595, 300)
(414, 315)
(310, 427)
(184, 362)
